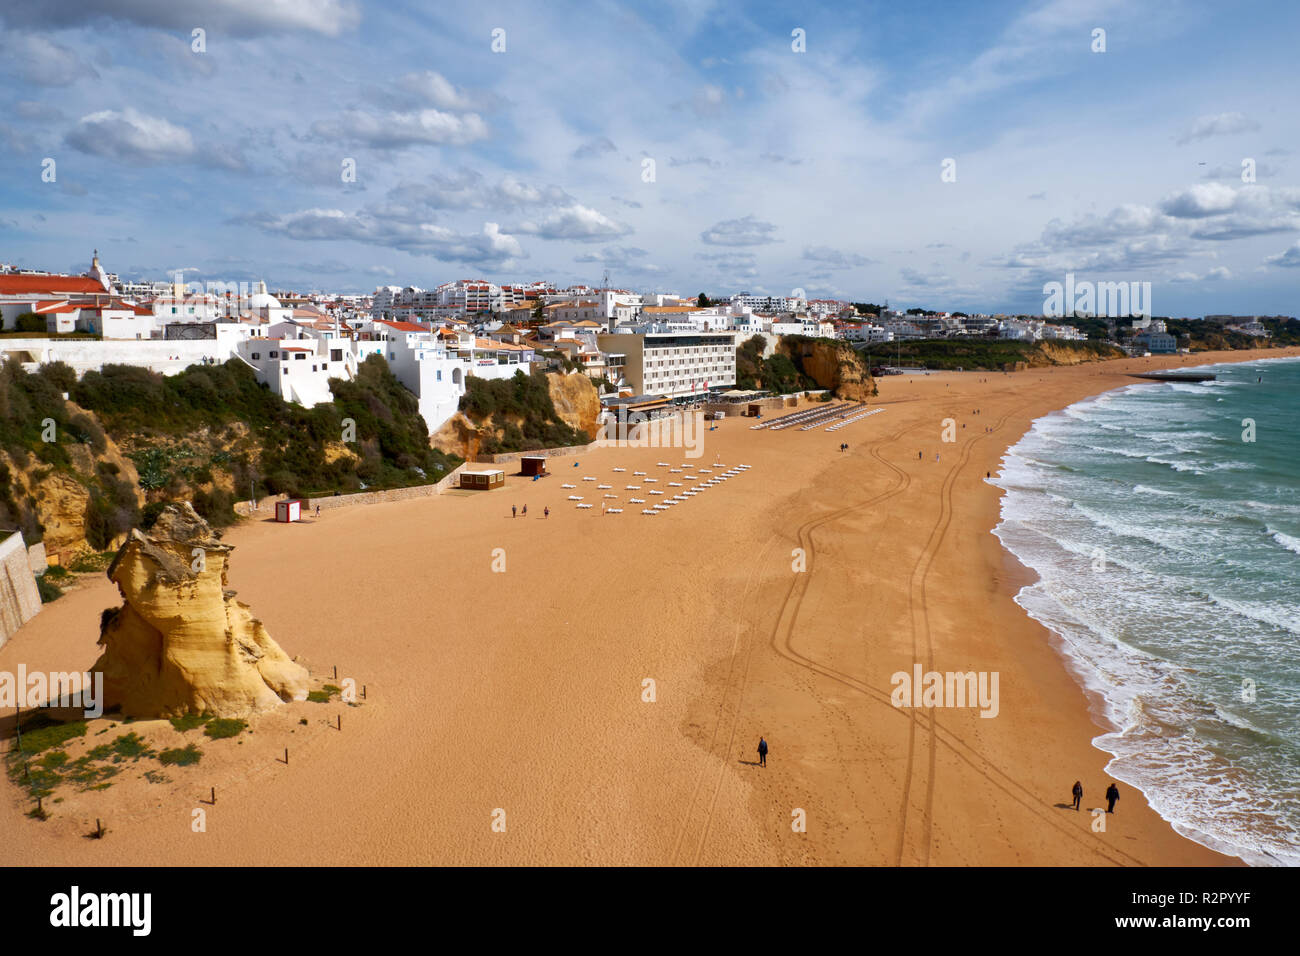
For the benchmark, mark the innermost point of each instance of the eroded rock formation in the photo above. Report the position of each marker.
(181, 643)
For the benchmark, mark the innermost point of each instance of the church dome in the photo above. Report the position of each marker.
(261, 299)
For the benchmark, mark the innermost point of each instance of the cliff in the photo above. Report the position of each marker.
(523, 413)
(576, 401)
(460, 436)
(76, 502)
(181, 643)
(833, 365)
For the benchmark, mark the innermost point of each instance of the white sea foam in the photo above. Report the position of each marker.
(1285, 540)
(1163, 745)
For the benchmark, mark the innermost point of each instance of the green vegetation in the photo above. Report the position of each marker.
(522, 409)
(219, 728)
(129, 747)
(985, 354)
(1199, 335)
(29, 322)
(40, 732)
(180, 756)
(91, 562)
(285, 450)
(41, 763)
(323, 695)
(188, 722)
(37, 425)
(47, 589)
(777, 373)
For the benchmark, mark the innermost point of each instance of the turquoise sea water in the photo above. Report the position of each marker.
(1168, 556)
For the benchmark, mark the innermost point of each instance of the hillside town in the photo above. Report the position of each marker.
(640, 346)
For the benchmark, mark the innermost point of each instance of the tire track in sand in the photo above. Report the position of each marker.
(994, 776)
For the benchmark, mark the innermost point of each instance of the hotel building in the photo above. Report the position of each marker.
(675, 364)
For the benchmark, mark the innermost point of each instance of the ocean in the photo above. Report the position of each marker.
(1168, 555)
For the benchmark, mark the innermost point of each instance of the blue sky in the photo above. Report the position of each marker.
(774, 170)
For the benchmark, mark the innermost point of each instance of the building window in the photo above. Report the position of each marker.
(284, 370)
(275, 355)
(256, 356)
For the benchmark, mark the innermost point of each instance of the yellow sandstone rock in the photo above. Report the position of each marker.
(181, 643)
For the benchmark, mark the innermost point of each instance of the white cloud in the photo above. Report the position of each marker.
(43, 62)
(575, 222)
(834, 258)
(746, 231)
(491, 247)
(132, 137)
(1219, 124)
(437, 90)
(241, 18)
(395, 129)
(1288, 258)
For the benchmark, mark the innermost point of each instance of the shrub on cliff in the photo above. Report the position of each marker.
(391, 439)
(521, 407)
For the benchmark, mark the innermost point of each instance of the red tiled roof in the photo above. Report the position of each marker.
(402, 326)
(45, 308)
(29, 284)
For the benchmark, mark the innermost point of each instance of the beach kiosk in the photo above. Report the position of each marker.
(288, 510)
(483, 480)
(532, 466)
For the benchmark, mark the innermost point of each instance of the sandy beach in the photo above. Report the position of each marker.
(522, 690)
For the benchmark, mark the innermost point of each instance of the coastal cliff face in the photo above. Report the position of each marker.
(838, 367)
(181, 643)
(576, 401)
(573, 402)
(460, 436)
(1048, 354)
(60, 499)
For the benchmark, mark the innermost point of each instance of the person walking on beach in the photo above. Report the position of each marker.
(525, 511)
(762, 752)
(514, 512)
(318, 511)
(546, 512)
(1078, 793)
(1112, 794)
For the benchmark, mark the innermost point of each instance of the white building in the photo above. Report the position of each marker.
(676, 364)
(298, 370)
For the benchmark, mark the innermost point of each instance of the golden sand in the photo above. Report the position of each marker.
(518, 695)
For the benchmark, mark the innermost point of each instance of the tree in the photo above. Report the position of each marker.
(30, 322)
(704, 301)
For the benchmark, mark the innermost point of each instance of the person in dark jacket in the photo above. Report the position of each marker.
(1078, 793)
(762, 752)
(1112, 794)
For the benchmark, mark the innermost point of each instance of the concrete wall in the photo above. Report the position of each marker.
(19, 599)
(513, 456)
(266, 507)
(161, 355)
(36, 558)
